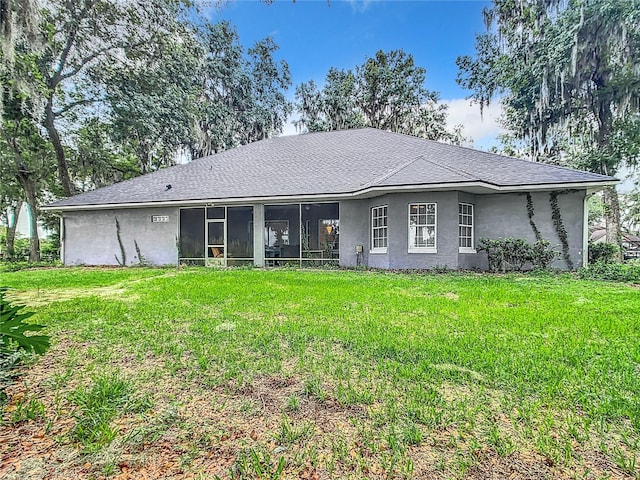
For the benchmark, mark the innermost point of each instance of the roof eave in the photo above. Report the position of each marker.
(363, 193)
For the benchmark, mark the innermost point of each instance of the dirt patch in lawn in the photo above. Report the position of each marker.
(271, 425)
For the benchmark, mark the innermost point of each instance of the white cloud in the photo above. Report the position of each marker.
(359, 6)
(289, 128)
(482, 131)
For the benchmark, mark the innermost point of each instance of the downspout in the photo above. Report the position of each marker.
(585, 228)
(62, 260)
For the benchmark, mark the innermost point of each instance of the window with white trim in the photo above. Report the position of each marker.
(379, 229)
(422, 227)
(465, 227)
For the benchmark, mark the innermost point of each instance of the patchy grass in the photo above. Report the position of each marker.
(165, 373)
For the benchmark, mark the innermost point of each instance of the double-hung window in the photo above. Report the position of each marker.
(465, 228)
(379, 229)
(422, 227)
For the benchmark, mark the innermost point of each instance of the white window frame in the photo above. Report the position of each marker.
(385, 227)
(470, 249)
(413, 248)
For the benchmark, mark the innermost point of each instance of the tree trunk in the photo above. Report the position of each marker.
(63, 169)
(30, 193)
(10, 241)
(612, 217)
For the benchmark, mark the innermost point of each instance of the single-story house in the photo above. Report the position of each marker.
(630, 241)
(358, 197)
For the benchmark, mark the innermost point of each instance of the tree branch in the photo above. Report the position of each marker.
(73, 105)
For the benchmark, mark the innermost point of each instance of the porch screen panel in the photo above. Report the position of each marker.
(282, 231)
(320, 231)
(192, 233)
(240, 232)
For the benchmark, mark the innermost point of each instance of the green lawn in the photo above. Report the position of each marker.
(325, 374)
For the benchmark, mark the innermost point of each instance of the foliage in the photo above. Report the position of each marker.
(603, 252)
(561, 231)
(97, 406)
(630, 210)
(566, 74)
(243, 91)
(507, 254)
(596, 211)
(616, 272)
(530, 214)
(14, 343)
(386, 92)
(13, 329)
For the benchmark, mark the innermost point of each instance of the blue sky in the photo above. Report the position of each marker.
(315, 35)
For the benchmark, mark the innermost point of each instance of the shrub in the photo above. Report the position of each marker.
(603, 252)
(14, 344)
(507, 254)
(616, 272)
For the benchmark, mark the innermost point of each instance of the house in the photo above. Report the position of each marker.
(358, 197)
(630, 242)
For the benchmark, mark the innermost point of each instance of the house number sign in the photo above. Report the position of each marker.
(160, 219)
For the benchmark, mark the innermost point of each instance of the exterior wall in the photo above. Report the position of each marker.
(354, 230)
(446, 231)
(90, 237)
(495, 216)
(505, 215)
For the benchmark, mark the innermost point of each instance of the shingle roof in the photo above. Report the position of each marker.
(329, 163)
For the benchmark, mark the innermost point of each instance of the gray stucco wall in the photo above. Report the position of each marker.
(495, 216)
(354, 230)
(90, 236)
(505, 215)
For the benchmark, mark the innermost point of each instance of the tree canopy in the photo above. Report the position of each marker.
(568, 76)
(387, 92)
(114, 89)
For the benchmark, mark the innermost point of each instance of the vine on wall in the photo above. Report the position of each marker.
(122, 262)
(559, 226)
(530, 213)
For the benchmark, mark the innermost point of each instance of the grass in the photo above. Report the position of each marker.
(302, 374)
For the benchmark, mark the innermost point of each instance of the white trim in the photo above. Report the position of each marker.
(413, 249)
(585, 229)
(62, 239)
(337, 196)
(470, 249)
(374, 249)
(422, 250)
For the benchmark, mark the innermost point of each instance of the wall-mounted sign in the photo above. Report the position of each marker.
(160, 219)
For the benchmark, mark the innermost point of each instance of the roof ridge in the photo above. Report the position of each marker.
(391, 173)
(457, 170)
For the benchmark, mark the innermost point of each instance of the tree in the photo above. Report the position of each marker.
(25, 162)
(81, 39)
(151, 99)
(242, 97)
(386, 92)
(19, 24)
(566, 73)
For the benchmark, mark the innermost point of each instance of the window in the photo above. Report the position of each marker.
(465, 227)
(422, 227)
(379, 229)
